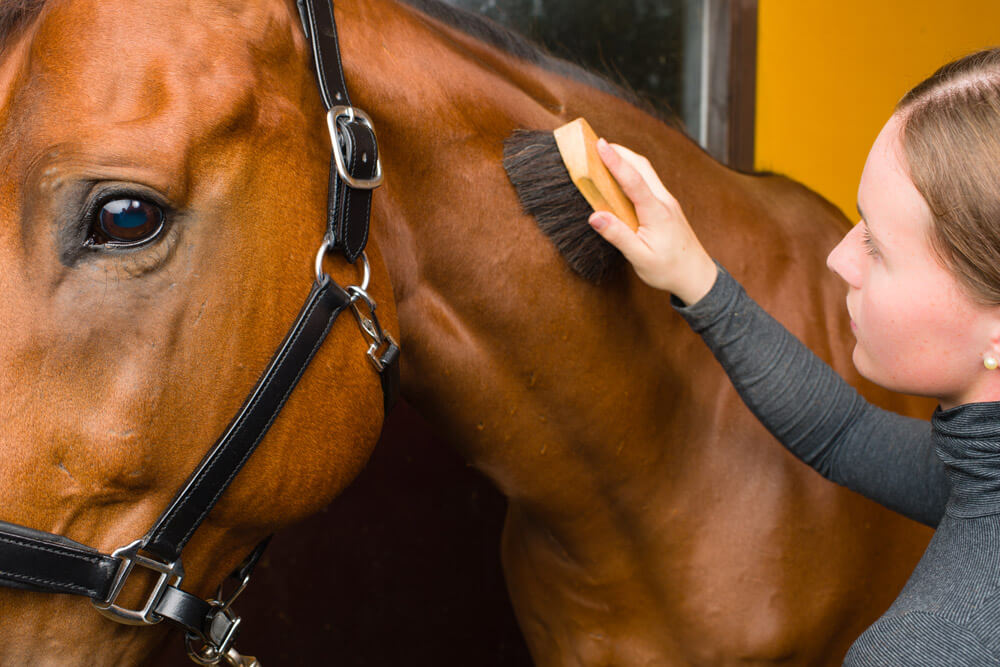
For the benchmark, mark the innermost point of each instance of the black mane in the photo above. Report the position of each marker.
(492, 33)
(531, 158)
(14, 14)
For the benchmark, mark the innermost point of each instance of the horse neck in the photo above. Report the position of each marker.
(522, 363)
(444, 102)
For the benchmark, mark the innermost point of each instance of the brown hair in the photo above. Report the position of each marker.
(951, 142)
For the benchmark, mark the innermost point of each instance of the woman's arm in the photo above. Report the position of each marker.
(815, 414)
(802, 401)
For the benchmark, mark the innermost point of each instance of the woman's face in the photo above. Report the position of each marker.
(917, 331)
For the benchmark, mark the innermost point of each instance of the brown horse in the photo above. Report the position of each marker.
(651, 519)
(125, 350)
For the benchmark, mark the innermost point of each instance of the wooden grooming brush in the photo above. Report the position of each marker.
(577, 144)
(551, 187)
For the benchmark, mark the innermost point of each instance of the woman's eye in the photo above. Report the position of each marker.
(125, 222)
(869, 242)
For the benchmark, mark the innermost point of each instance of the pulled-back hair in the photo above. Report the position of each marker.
(951, 142)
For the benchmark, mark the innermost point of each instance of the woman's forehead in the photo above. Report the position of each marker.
(888, 197)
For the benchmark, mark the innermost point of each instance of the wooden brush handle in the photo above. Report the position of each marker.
(577, 144)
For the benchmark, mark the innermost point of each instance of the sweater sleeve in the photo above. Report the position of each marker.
(813, 412)
(917, 639)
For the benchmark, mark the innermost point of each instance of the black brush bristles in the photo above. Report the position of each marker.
(543, 185)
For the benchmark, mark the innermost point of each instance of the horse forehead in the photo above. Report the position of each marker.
(120, 59)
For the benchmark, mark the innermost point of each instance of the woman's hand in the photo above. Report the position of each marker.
(665, 252)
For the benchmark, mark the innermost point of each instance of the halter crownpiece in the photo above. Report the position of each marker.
(45, 562)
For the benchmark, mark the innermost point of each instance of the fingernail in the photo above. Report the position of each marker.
(602, 143)
(598, 221)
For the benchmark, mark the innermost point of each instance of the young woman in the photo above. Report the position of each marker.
(923, 275)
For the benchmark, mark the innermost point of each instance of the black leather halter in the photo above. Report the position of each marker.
(38, 561)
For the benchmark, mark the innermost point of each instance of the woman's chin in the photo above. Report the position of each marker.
(860, 362)
(871, 372)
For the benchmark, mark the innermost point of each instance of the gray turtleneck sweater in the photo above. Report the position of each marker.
(944, 474)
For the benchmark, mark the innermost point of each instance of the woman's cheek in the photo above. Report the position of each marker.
(878, 346)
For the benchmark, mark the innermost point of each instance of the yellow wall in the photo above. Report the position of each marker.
(829, 74)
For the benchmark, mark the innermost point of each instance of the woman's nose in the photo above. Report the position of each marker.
(846, 259)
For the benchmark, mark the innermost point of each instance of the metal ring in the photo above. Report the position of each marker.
(326, 247)
(366, 278)
(206, 655)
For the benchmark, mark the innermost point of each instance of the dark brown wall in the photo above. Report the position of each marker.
(402, 569)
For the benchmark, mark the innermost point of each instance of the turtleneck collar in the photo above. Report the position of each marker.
(967, 439)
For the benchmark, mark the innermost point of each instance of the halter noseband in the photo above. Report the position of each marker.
(45, 562)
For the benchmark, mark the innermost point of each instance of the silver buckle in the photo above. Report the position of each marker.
(171, 574)
(351, 114)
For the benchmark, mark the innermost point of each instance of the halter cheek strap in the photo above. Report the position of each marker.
(45, 562)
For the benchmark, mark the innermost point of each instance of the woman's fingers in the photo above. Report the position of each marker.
(633, 183)
(640, 164)
(665, 252)
(620, 235)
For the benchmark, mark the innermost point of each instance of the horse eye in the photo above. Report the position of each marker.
(125, 222)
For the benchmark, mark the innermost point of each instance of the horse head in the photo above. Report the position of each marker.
(162, 200)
